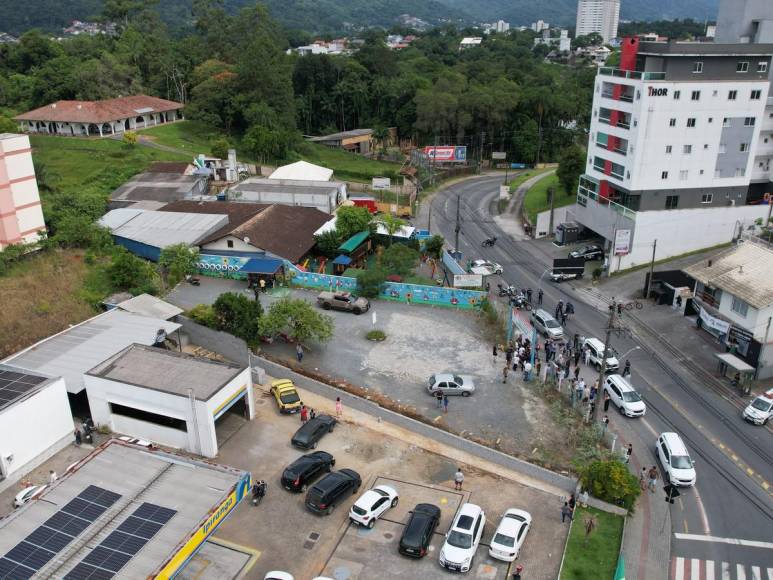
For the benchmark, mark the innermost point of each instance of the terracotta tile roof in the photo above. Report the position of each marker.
(99, 111)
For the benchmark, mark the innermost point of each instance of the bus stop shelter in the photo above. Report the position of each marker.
(742, 373)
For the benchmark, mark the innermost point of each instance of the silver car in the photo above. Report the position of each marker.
(450, 384)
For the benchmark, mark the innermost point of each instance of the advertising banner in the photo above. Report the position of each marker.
(468, 280)
(381, 183)
(499, 155)
(447, 154)
(622, 242)
(714, 323)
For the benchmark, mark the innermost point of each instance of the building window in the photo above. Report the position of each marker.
(687, 149)
(677, 94)
(726, 122)
(731, 95)
(722, 148)
(748, 122)
(683, 175)
(714, 93)
(762, 67)
(711, 119)
(668, 149)
(696, 96)
(744, 147)
(672, 201)
(756, 95)
(697, 67)
(672, 123)
(705, 145)
(739, 306)
(664, 175)
(740, 172)
(230, 243)
(148, 417)
(691, 122)
(707, 198)
(742, 67)
(701, 172)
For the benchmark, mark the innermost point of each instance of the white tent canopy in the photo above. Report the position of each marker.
(303, 171)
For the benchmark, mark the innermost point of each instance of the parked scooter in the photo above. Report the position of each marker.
(507, 290)
(488, 242)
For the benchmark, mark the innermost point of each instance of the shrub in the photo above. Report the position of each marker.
(237, 314)
(370, 282)
(399, 259)
(612, 482)
(219, 148)
(128, 272)
(203, 314)
(434, 246)
(376, 335)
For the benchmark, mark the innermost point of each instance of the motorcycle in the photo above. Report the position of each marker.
(520, 301)
(258, 492)
(507, 290)
(488, 242)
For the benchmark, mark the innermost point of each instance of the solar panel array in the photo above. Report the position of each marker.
(53, 535)
(13, 385)
(112, 554)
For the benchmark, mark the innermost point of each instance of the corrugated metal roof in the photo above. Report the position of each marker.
(161, 228)
(116, 218)
(147, 305)
(354, 242)
(80, 348)
(261, 266)
(302, 170)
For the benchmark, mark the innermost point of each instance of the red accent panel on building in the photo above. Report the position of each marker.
(604, 188)
(607, 167)
(614, 117)
(612, 142)
(630, 48)
(617, 90)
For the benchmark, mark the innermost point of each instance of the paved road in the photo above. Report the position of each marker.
(729, 500)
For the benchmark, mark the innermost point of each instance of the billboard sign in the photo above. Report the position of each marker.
(381, 183)
(447, 154)
(499, 155)
(622, 242)
(468, 280)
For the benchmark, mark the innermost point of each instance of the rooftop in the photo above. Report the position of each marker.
(157, 187)
(263, 185)
(139, 505)
(99, 111)
(147, 305)
(302, 170)
(745, 271)
(74, 351)
(343, 135)
(17, 384)
(167, 371)
(161, 229)
(688, 48)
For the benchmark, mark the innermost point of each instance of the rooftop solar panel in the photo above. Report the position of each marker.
(14, 385)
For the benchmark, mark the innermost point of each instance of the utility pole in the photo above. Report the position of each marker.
(652, 268)
(603, 369)
(552, 194)
(429, 219)
(458, 223)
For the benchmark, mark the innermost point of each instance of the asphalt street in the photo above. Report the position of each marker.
(728, 516)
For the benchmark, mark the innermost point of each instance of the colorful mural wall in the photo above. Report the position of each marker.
(222, 266)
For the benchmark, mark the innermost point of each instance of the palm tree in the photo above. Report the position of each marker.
(380, 135)
(391, 224)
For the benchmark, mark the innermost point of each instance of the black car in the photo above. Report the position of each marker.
(588, 253)
(312, 431)
(417, 535)
(301, 472)
(328, 491)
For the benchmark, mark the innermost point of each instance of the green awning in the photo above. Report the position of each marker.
(354, 242)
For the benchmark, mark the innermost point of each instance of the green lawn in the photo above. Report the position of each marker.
(596, 559)
(348, 166)
(536, 200)
(193, 136)
(516, 182)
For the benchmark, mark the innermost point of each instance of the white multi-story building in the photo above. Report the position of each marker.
(540, 25)
(21, 216)
(670, 149)
(600, 16)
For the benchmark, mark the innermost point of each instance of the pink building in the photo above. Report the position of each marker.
(21, 217)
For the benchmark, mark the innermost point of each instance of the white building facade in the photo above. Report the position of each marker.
(600, 16)
(21, 215)
(670, 149)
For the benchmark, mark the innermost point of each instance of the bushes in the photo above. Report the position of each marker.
(238, 315)
(612, 482)
(376, 335)
(128, 272)
(203, 314)
(434, 246)
(399, 259)
(370, 282)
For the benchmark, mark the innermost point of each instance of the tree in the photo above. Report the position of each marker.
(8, 125)
(178, 261)
(76, 230)
(128, 272)
(434, 246)
(238, 315)
(399, 259)
(219, 148)
(571, 164)
(391, 224)
(611, 481)
(352, 220)
(370, 282)
(298, 319)
(130, 138)
(328, 243)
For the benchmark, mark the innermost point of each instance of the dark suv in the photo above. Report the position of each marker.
(417, 534)
(328, 491)
(304, 470)
(588, 253)
(311, 431)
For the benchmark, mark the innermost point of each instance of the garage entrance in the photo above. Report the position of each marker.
(232, 417)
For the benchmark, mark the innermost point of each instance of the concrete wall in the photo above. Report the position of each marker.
(719, 68)
(34, 429)
(560, 215)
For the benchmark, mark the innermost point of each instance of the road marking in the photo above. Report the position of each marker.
(717, 540)
(725, 571)
(709, 569)
(702, 510)
(679, 569)
(740, 572)
(756, 573)
(695, 569)
(686, 529)
(648, 426)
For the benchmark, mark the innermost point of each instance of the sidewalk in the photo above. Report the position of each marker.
(510, 220)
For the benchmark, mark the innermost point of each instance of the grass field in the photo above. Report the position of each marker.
(536, 199)
(596, 559)
(348, 166)
(516, 182)
(190, 136)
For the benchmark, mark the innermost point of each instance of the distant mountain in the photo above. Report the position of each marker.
(338, 15)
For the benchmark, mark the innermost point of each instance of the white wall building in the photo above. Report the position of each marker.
(669, 154)
(600, 16)
(167, 397)
(35, 421)
(539, 26)
(21, 216)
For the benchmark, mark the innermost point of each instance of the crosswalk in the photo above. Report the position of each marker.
(695, 569)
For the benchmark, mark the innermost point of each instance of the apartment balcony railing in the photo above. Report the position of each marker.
(632, 74)
(619, 150)
(708, 299)
(584, 194)
(621, 124)
(624, 97)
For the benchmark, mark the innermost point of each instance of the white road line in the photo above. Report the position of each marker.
(756, 573)
(725, 571)
(648, 426)
(679, 569)
(740, 572)
(709, 569)
(702, 510)
(695, 569)
(770, 573)
(715, 539)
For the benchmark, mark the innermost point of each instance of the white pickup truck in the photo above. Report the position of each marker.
(760, 409)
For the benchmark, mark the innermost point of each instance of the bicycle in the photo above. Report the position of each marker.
(635, 304)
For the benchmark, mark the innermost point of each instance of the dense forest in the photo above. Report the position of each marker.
(233, 72)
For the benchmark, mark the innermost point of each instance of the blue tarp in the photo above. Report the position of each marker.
(261, 266)
(342, 260)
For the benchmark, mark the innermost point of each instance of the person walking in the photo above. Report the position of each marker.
(495, 353)
(445, 404)
(312, 414)
(606, 401)
(304, 413)
(563, 318)
(505, 371)
(526, 371)
(587, 356)
(627, 369)
(576, 372)
(653, 478)
(458, 479)
(299, 352)
(566, 512)
(628, 453)
(528, 295)
(262, 284)
(518, 570)
(643, 478)
(559, 309)
(52, 476)
(604, 424)
(539, 297)
(78, 437)
(439, 399)
(339, 407)
(509, 355)
(572, 501)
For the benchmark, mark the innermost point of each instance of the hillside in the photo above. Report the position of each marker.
(338, 15)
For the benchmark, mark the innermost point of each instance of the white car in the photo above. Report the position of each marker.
(675, 459)
(278, 575)
(371, 504)
(450, 384)
(485, 267)
(596, 348)
(508, 539)
(760, 410)
(27, 494)
(624, 396)
(463, 538)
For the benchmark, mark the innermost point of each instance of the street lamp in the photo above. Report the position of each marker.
(630, 351)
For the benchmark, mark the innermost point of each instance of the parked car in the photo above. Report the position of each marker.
(324, 495)
(286, 396)
(510, 535)
(278, 575)
(596, 348)
(588, 253)
(546, 324)
(307, 436)
(492, 267)
(624, 396)
(675, 459)
(462, 539)
(760, 410)
(303, 471)
(417, 534)
(563, 276)
(27, 494)
(343, 301)
(450, 384)
(371, 504)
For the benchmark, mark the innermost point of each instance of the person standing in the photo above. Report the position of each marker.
(627, 369)
(509, 355)
(312, 414)
(299, 352)
(262, 284)
(339, 407)
(528, 295)
(526, 371)
(505, 371)
(653, 478)
(539, 297)
(628, 453)
(458, 479)
(495, 353)
(304, 413)
(518, 570)
(78, 437)
(606, 401)
(576, 372)
(604, 424)
(445, 404)
(587, 355)
(566, 512)
(643, 478)
(52, 477)
(439, 399)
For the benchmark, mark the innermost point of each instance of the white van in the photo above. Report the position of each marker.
(624, 396)
(596, 348)
(677, 464)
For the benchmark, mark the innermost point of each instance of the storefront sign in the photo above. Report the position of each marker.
(622, 242)
(742, 340)
(447, 154)
(713, 322)
(657, 92)
(468, 280)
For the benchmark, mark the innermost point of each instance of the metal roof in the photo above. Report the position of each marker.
(343, 135)
(114, 219)
(147, 305)
(74, 351)
(734, 362)
(302, 170)
(261, 266)
(161, 228)
(192, 488)
(167, 371)
(296, 186)
(745, 271)
(354, 242)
